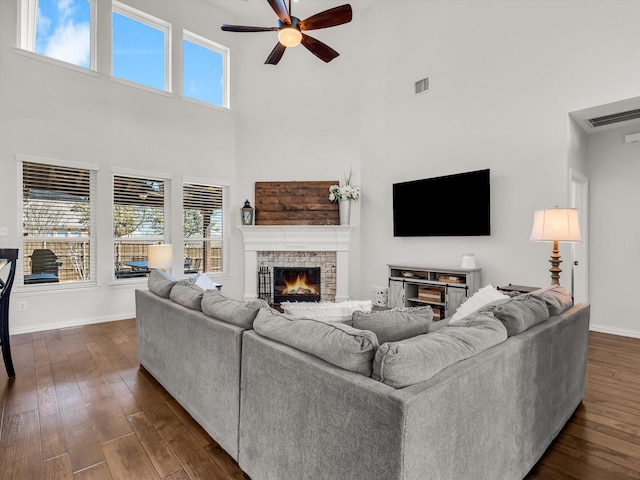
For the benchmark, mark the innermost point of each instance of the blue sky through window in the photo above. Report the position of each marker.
(138, 52)
(63, 31)
(203, 73)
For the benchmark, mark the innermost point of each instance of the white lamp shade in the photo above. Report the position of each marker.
(160, 256)
(556, 224)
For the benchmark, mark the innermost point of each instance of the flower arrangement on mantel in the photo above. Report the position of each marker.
(345, 190)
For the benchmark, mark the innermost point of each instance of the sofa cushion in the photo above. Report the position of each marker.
(556, 297)
(403, 363)
(395, 324)
(160, 283)
(187, 294)
(336, 343)
(237, 312)
(482, 297)
(520, 313)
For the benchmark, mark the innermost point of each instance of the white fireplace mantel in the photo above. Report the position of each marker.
(296, 238)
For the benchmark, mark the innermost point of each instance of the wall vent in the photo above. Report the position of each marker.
(614, 118)
(422, 85)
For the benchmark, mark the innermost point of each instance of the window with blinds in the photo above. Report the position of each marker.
(204, 228)
(58, 217)
(139, 207)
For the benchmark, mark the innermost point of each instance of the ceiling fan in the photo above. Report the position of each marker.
(290, 30)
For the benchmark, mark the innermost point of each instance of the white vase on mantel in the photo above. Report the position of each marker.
(345, 211)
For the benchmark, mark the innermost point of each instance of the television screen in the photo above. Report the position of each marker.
(453, 205)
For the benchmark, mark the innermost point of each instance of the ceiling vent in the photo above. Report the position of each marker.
(614, 118)
(422, 86)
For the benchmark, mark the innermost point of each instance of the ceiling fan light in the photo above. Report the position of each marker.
(289, 36)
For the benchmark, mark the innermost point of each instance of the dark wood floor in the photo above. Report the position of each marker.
(81, 408)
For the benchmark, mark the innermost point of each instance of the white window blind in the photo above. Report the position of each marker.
(58, 217)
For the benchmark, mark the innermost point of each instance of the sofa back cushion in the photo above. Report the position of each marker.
(336, 343)
(520, 313)
(237, 312)
(395, 324)
(160, 283)
(403, 363)
(187, 294)
(556, 297)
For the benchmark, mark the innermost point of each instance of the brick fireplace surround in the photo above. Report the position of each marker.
(326, 246)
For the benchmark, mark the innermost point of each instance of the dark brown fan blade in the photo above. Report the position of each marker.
(328, 18)
(323, 51)
(280, 7)
(242, 28)
(276, 54)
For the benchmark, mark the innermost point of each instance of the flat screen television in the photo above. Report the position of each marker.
(453, 205)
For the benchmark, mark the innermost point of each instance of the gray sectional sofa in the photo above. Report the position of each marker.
(293, 398)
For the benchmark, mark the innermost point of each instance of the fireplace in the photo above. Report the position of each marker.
(296, 284)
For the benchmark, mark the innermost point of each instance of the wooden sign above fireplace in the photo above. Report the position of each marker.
(295, 203)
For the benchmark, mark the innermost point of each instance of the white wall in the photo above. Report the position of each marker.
(614, 170)
(504, 76)
(51, 111)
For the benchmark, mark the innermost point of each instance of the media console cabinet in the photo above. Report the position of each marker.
(443, 288)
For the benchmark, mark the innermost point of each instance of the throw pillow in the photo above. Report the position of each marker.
(160, 283)
(482, 297)
(336, 343)
(187, 294)
(556, 297)
(204, 282)
(403, 363)
(237, 312)
(396, 324)
(521, 313)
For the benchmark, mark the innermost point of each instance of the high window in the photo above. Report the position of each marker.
(139, 220)
(205, 70)
(58, 218)
(59, 29)
(141, 51)
(204, 226)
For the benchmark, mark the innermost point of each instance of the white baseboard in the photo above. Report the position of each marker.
(615, 331)
(70, 323)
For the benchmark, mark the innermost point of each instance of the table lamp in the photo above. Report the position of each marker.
(556, 225)
(160, 256)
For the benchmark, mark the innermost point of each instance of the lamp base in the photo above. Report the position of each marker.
(555, 265)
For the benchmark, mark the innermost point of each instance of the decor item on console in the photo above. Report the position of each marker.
(344, 193)
(556, 225)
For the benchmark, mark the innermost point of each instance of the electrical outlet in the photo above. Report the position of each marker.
(22, 306)
(4, 232)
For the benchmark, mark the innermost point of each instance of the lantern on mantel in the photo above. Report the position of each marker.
(247, 213)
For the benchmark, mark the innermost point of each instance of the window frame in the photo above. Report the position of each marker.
(153, 22)
(166, 237)
(226, 222)
(27, 30)
(217, 48)
(92, 237)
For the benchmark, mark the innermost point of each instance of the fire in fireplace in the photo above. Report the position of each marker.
(296, 284)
